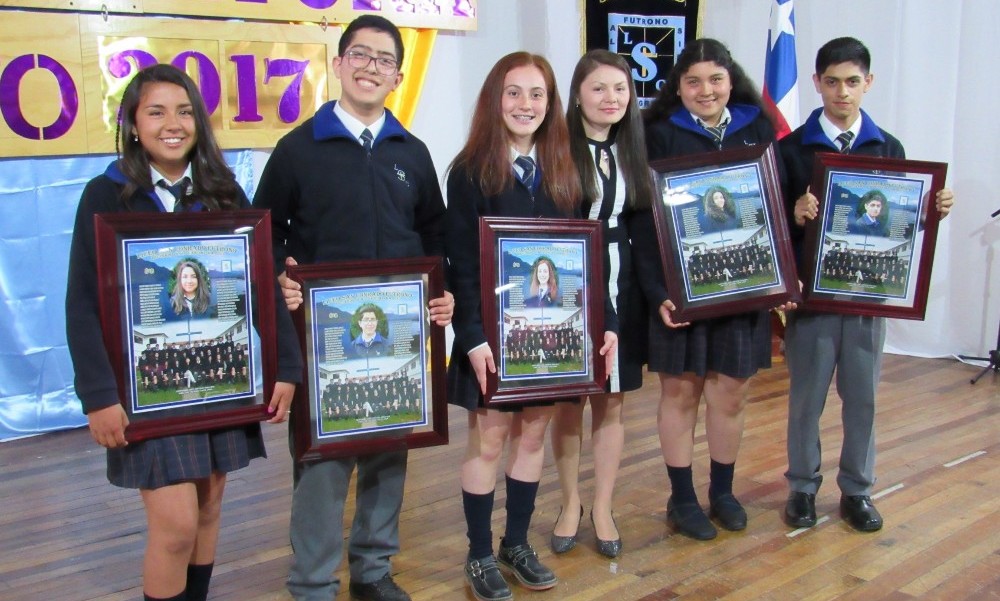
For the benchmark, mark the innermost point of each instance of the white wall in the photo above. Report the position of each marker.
(922, 50)
(461, 61)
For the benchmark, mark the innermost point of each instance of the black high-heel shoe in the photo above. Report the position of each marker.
(564, 544)
(607, 548)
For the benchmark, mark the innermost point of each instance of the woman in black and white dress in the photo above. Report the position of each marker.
(607, 145)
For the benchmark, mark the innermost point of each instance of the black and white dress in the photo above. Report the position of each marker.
(623, 289)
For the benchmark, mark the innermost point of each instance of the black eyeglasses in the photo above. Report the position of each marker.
(360, 60)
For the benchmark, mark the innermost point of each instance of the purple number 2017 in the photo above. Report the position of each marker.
(124, 64)
(246, 86)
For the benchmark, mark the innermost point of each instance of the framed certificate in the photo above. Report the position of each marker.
(188, 327)
(375, 365)
(871, 249)
(542, 307)
(723, 238)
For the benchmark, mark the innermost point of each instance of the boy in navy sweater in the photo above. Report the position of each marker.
(816, 343)
(352, 183)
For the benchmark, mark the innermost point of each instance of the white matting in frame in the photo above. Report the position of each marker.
(724, 239)
(187, 307)
(869, 227)
(543, 306)
(871, 249)
(369, 343)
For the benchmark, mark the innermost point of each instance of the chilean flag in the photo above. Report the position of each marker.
(781, 79)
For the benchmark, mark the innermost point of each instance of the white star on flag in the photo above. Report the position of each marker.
(781, 22)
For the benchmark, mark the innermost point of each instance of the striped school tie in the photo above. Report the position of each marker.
(844, 140)
(527, 166)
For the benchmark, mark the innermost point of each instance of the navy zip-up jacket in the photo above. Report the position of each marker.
(332, 201)
(798, 153)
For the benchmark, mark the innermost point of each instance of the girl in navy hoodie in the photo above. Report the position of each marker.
(165, 141)
(708, 104)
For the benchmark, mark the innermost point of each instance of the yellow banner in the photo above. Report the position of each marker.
(62, 76)
(458, 15)
(41, 86)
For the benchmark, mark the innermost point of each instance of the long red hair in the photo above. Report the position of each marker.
(486, 154)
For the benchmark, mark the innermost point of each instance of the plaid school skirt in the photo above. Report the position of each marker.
(736, 345)
(163, 461)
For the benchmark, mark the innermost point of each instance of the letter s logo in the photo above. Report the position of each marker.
(642, 54)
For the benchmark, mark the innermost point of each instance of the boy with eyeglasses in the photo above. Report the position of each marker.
(352, 183)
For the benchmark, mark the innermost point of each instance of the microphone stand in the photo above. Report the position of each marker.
(994, 358)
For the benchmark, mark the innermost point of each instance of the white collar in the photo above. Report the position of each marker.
(514, 153)
(724, 119)
(168, 200)
(156, 176)
(832, 131)
(355, 126)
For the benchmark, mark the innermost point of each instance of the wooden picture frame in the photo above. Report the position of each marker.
(871, 249)
(188, 357)
(544, 335)
(722, 232)
(374, 362)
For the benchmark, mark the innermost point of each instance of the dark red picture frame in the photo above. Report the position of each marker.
(366, 279)
(506, 388)
(112, 233)
(681, 241)
(903, 244)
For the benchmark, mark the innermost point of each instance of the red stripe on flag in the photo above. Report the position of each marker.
(781, 128)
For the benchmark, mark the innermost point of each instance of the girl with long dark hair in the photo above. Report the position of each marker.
(708, 104)
(165, 140)
(607, 145)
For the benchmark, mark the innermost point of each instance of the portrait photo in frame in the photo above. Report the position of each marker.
(871, 249)
(374, 362)
(542, 307)
(724, 242)
(190, 336)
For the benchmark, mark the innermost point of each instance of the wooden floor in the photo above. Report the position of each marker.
(66, 534)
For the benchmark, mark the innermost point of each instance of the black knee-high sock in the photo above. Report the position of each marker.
(520, 506)
(681, 485)
(721, 479)
(180, 597)
(478, 513)
(198, 578)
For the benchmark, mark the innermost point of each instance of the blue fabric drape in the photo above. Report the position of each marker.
(38, 200)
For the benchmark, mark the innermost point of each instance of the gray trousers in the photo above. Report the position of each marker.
(317, 532)
(816, 344)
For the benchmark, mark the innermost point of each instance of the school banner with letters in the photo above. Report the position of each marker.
(649, 34)
(422, 14)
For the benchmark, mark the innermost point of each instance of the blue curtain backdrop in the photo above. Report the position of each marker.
(38, 200)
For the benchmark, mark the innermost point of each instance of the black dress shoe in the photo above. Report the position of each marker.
(690, 520)
(607, 548)
(860, 513)
(728, 511)
(800, 510)
(381, 590)
(523, 562)
(563, 544)
(486, 580)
